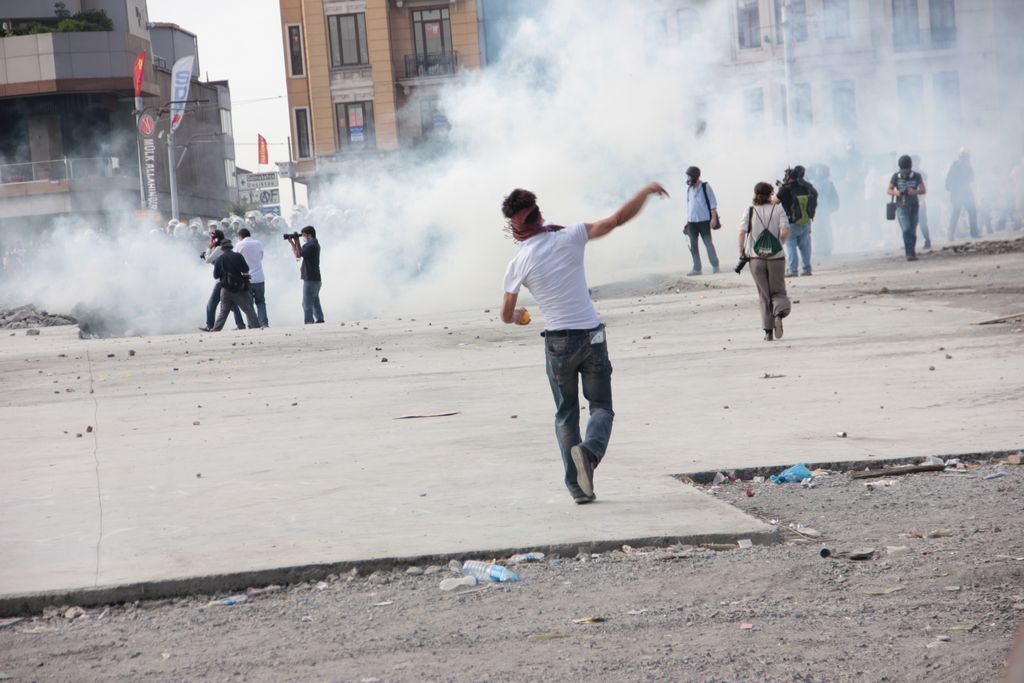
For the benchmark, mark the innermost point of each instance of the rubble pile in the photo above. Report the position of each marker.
(28, 316)
(986, 247)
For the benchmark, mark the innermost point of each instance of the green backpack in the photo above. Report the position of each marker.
(766, 244)
(800, 209)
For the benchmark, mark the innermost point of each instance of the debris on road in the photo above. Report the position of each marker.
(896, 471)
(792, 475)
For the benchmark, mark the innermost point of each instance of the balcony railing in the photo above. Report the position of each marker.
(429, 66)
(62, 169)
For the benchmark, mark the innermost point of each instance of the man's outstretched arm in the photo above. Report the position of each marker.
(625, 213)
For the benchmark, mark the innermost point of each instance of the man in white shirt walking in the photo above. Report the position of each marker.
(701, 219)
(251, 248)
(550, 265)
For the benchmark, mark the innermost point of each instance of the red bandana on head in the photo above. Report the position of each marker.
(522, 231)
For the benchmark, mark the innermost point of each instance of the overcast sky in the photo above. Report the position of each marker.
(240, 41)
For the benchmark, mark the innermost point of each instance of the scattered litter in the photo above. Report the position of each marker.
(947, 629)
(792, 475)
(589, 620)
(933, 460)
(896, 471)
(750, 493)
(996, 475)
(720, 546)
(636, 612)
(719, 479)
(232, 600)
(383, 604)
(1010, 557)
(452, 584)
(418, 417)
(547, 636)
(769, 375)
(415, 571)
(745, 543)
(321, 585)
(1015, 459)
(758, 480)
(32, 332)
(487, 570)
(746, 627)
(526, 557)
(165, 655)
(951, 589)
(74, 613)
(104, 613)
(810, 532)
(10, 621)
(841, 435)
(884, 591)
(858, 555)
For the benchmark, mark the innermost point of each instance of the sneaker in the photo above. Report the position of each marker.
(927, 245)
(778, 327)
(911, 258)
(584, 470)
(790, 274)
(583, 500)
(692, 273)
(206, 329)
(808, 273)
(714, 269)
(768, 335)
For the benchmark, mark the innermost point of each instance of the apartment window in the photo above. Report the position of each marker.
(347, 33)
(910, 93)
(748, 22)
(904, 25)
(797, 10)
(432, 31)
(947, 96)
(688, 24)
(355, 125)
(943, 22)
(753, 106)
(303, 148)
(225, 122)
(229, 173)
(296, 60)
(802, 112)
(844, 104)
(836, 18)
(431, 116)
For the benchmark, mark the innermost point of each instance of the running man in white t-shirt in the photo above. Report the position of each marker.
(550, 264)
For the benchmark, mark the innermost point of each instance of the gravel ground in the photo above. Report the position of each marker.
(923, 609)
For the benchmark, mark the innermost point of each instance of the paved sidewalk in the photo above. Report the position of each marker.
(297, 457)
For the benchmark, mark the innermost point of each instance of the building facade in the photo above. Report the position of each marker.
(68, 141)
(364, 78)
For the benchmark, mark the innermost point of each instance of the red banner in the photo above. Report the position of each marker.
(261, 146)
(140, 67)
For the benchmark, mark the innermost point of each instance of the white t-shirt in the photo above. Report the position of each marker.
(252, 250)
(550, 264)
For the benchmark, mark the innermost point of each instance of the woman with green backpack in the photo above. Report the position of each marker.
(764, 230)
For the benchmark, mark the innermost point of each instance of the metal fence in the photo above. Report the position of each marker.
(419, 66)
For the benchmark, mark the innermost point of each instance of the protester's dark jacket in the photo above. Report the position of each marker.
(788, 193)
(310, 268)
(231, 264)
(959, 178)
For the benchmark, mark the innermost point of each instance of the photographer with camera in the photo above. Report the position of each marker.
(905, 186)
(212, 255)
(800, 201)
(763, 232)
(701, 219)
(309, 253)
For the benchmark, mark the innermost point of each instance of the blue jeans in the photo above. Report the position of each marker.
(311, 311)
(571, 357)
(906, 215)
(259, 297)
(211, 309)
(702, 229)
(799, 242)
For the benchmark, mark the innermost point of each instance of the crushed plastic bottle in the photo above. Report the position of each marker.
(452, 584)
(792, 475)
(231, 600)
(526, 557)
(485, 570)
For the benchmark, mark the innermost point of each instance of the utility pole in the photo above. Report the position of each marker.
(787, 65)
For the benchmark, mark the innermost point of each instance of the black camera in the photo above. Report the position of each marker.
(744, 260)
(290, 236)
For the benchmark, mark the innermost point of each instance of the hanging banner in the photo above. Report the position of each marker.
(147, 156)
(261, 146)
(181, 80)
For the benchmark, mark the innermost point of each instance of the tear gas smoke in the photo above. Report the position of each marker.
(584, 107)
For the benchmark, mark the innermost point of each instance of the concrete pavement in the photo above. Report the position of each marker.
(298, 457)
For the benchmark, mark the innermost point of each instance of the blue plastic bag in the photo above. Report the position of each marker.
(793, 475)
